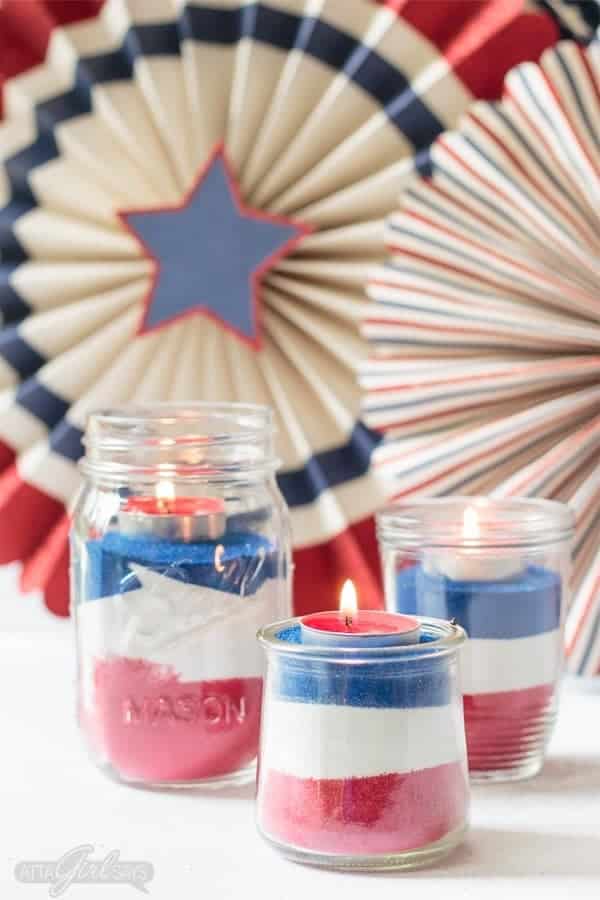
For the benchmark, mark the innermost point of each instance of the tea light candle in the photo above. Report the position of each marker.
(351, 627)
(173, 518)
(470, 562)
(172, 676)
(362, 754)
(510, 608)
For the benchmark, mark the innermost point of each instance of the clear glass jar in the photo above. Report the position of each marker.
(180, 551)
(501, 569)
(362, 755)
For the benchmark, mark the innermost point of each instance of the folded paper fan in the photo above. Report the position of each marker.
(485, 331)
(190, 198)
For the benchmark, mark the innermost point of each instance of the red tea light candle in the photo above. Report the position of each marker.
(172, 518)
(351, 627)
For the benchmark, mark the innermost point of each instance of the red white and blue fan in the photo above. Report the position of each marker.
(485, 330)
(190, 198)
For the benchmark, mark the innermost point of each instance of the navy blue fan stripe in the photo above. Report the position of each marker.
(330, 468)
(384, 83)
(12, 308)
(299, 487)
(277, 28)
(24, 359)
(324, 42)
(66, 440)
(424, 163)
(41, 402)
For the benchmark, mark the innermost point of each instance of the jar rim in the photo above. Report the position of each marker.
(500, 522)
(175, 439)
(447, 637)
(256, 419)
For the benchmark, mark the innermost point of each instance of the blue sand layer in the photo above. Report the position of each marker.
(522, 606)
(407, 683)
(246, 561)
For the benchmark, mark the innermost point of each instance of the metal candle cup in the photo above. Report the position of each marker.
(186, 519)
(365, 628)
(353, 627)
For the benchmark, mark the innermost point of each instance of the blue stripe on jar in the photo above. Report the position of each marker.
(246, 561)
(522, 606)
(408, 683)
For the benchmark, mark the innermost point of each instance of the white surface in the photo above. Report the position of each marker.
(391, 740)
(539, 839)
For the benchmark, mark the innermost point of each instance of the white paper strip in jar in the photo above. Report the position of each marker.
(235, 161)
(485, 325)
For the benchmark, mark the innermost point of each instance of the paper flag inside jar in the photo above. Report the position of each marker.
(191, 196)
(200, 632)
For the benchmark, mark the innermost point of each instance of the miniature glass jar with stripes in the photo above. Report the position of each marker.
(180, 551)
(500, 568)
(363, 757)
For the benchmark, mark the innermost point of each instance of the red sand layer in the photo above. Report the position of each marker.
(503, 728)
(153, 727)
(381, 814)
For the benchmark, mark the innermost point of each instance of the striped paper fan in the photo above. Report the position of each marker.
(485, 331)
(232, 161)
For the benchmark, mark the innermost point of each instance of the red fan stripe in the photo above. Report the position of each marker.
(514, 371)
(26, 27)
(471, 33)
(41, 565)
(321, 570)
(450, 470)
(26, 516)
(564, 450)
(7, 456)
(493, 137)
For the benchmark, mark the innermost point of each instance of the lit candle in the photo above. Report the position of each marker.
(471, 561)
(484, 564)
(172, 518)
(351, 627)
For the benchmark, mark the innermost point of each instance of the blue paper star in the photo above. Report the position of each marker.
(210, 253)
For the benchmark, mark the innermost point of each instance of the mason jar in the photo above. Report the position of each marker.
(180, 551)
(362, 757)
(501, 569)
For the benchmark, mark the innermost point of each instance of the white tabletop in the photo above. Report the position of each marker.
(540, 838)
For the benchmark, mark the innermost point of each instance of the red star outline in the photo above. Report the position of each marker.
(257, 274)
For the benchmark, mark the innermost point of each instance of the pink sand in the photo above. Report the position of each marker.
(381, 814)
(153, 727)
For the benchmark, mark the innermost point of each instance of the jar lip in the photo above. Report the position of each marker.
(447, 638)
(249, 422)
(180, 441)
(500, 522)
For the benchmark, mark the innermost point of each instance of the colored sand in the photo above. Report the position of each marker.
(154, 727)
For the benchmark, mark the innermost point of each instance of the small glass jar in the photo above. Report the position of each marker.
(362, 757)
(180, 551)
(500, 568)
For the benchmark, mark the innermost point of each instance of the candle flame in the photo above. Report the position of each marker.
(471, 530)
(165, 490)
(348, 601)
(165, 493)
(219, 553)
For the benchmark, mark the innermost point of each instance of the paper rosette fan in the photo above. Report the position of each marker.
(486, 327)
(192, 195)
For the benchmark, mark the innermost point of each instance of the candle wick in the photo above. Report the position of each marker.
(348, 620)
